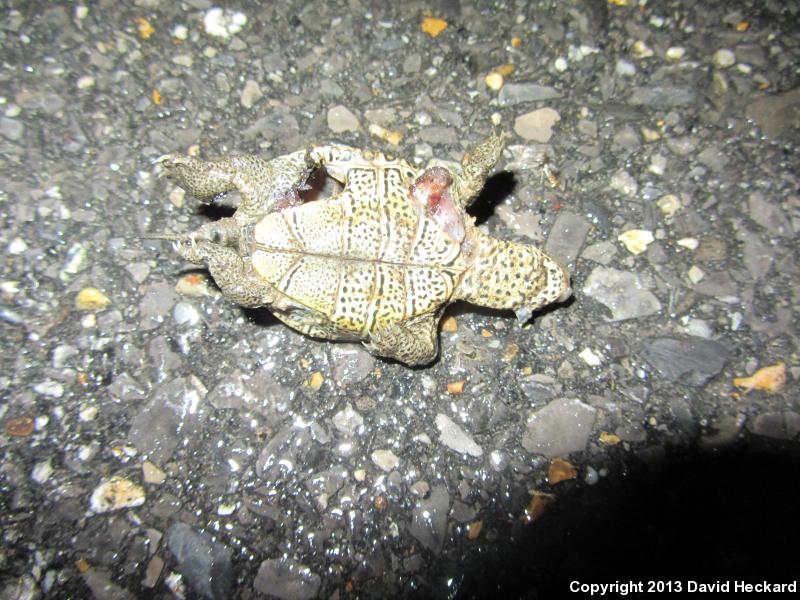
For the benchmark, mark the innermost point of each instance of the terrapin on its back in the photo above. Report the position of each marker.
(377, 262)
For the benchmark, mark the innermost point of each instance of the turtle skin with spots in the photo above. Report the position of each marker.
(376, 262)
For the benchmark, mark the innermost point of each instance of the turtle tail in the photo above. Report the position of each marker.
(506, 275)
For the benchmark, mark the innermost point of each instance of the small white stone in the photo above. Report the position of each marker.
(454, 437)
(16, 246)
(561, 64)
(625, 68)
(386, 460)
(225, 510)
(494, 81)
(88, 413)
(50, 388)
(116, 493)
(690, 243)
(590, 358)
(723, 58)
(250, 94)
(85, 82)
(736, 320)
(744, 69)
(185, 314)
(496, 118)
(537, 125)
(636, 240)
(674, 53)
(658, 164)
(668, 204)
(695, 274)
(42, 471)
(81, 12)
(641, 50)
(341, 119)
(183, 60)
(223, 23)
(360, 474)
(180, 32)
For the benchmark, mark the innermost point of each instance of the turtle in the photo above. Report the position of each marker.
(377, 261)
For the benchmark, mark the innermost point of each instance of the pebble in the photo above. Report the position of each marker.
(11, 129)
(674, 53)
(560, 470)
(205, 562)
(420, 488)
(494, 81)
(691, 360)
(340, 119)
(429, 519)
(91, 299)
(567, 236)
(662, 97)
(777, 425)
(723, 58)
(668, 204)
(768, 215)
(601, 252)
(152, 474)
(85, 82)
(624, 183)
(169, 417)
(194, 285)
(537, 125)
(286, 579)
(185, 314)
(454, 437)
(223, 23)
(590, 357)
(770, 379)
(49, 388)
(640, 49)
(16, 246)
(658, 164)
(776, 115)
(116, 493)
(385, 459)
(251, 93)
(387, 135)
(624, 68)
(636, 240)
(561, 64)
(621, 292)
(42, 471)
(348, 421)
(560, 428)
(519, 93)
(695, 274)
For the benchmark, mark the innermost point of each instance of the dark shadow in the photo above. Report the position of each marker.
(695, 515)
(261, 317)
(496, 189)
(214, 211)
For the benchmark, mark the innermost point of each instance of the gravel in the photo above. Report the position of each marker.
(314, 469)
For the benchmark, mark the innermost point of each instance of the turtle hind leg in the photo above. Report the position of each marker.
(229, 271)
(264, 186)
(476, 166)
(414, 343)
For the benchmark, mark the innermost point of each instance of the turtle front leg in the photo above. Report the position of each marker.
(476, 166)
(230, 272)
(414, 343)
(265, 186)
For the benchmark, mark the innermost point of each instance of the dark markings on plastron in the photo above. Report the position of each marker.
(287, 278)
